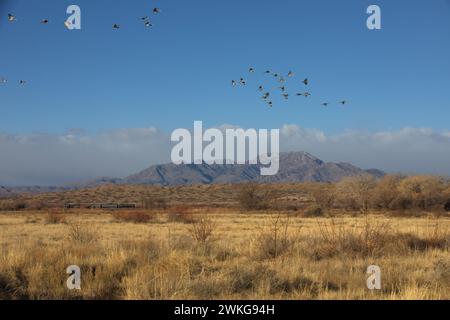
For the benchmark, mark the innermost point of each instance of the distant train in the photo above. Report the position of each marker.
(109, 206)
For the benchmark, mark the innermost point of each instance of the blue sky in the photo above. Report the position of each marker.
(128, 89)
(99, 79)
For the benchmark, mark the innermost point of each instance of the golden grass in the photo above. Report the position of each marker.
(245, 256)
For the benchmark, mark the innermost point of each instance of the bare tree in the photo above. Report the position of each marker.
(253, 196)
(357, 191)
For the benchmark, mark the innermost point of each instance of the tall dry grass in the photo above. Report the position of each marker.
(246, 257)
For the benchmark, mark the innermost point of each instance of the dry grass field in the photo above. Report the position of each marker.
(286, 241)
(221, 253)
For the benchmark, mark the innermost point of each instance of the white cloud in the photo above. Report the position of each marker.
(49, 159)
(54, 159)
(409, 150)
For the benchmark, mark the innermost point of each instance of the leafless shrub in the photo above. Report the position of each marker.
(385, 193)
(356, 192)
(82, 233)
(202, 229)
(253, 196)
(324, 195)
(333, 239)
(423, 192)
(275, 239)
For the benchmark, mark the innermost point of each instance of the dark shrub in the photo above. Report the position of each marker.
(314, 211)
(253, 196)
(447, 206)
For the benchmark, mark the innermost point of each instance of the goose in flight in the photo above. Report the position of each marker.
(242, 81)
(156, 10)
(148, 24)
(11, 17)
(306, 82)
(261, 88)
(306, 94)
(3, 80)
(286, 96)
(116, 26)
(343, 102)
(325, 104)
(266, 96)
(282, 88)
(44, 21)
(251, 70)
(233, 83)
(270, 103)
(290, 74)
(22, 82)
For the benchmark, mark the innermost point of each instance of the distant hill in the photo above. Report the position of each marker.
(8, 192)
(294, 167)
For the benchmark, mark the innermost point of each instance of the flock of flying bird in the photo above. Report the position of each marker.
(266, 95)
(281, 80)
(12, 18)
(145, 20)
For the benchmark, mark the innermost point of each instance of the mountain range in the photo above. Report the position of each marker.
(294, 167)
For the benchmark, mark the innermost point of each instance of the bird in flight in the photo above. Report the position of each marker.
(3, 80)
(156, 10)
(22, 82)
(44, 21)
(11, 17)
(116, 26)
(148, 24)
(280, 81)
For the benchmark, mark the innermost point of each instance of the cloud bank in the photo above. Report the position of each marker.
(51, 159)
